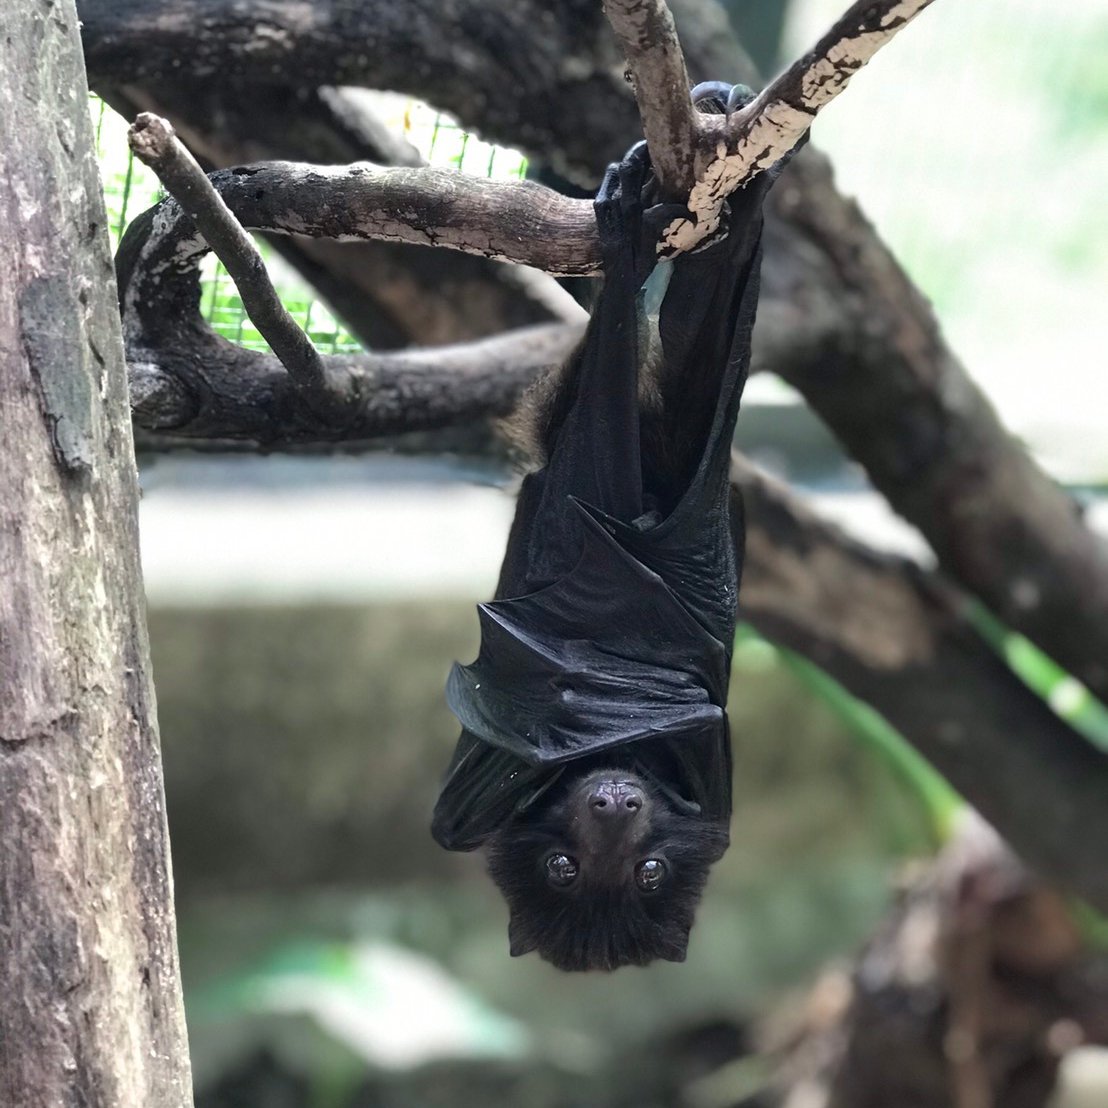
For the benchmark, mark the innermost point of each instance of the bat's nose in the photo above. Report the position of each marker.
(618, 801)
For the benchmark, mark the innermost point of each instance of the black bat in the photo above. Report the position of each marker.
(594, 762)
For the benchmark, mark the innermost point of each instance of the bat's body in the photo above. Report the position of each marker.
(595, 756)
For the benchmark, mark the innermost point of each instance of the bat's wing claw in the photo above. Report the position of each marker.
(634, 172)
(619, 207)
(609, 187)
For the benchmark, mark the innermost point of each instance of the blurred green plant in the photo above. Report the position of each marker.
(1067, 697)
(939, 802)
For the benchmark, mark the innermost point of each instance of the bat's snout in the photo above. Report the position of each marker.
(616, 801)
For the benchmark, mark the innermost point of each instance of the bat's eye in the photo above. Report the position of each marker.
(561, 870)
(650, 874)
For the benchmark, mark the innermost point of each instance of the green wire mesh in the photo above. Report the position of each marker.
(131, 188)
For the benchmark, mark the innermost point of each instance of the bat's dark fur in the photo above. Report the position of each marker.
(602, 921)
(594, 763)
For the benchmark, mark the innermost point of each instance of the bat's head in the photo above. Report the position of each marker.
(604, 874)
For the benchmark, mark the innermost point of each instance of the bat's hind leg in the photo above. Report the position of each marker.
(596, 454)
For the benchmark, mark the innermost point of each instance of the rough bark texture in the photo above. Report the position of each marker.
(656, 65)
(91, 1008)
(525, 70)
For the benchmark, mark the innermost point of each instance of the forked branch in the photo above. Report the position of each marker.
(707, 157)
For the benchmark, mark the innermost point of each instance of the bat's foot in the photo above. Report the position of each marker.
(720, 98)
(627, 218)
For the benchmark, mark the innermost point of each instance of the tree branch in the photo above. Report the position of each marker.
(732, 150)
(514, 221)
(648, 39)
(389, 294)
(904, 407)
(154, 143)
(206, 391)
(898, 638)
(706, 158)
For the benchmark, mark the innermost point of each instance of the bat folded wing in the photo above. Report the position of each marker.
(606, 659)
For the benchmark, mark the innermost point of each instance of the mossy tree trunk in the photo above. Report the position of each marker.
(90, 998)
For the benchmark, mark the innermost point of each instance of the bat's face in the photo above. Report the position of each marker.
(605, 874)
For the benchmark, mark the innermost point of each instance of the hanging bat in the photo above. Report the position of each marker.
(594, 763)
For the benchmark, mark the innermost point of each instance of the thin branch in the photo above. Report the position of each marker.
(154, 143)
(648, 38)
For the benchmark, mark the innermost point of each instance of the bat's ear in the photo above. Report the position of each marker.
(519, 940)
(678, 951)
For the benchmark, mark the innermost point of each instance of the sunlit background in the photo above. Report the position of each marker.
(304, 614)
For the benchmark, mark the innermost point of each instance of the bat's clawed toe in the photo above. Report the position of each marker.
(634, 173)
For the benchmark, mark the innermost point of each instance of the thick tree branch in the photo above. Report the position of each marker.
(898, 639)
(513, 221)
(901, 403)
(706, 158)
(731, 151)
(206, 390)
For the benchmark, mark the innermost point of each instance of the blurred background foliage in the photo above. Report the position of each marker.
(333, 955)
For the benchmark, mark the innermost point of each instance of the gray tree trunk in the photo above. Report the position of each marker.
(90, 997)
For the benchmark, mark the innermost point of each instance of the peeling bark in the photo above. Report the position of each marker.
(91, 1011)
